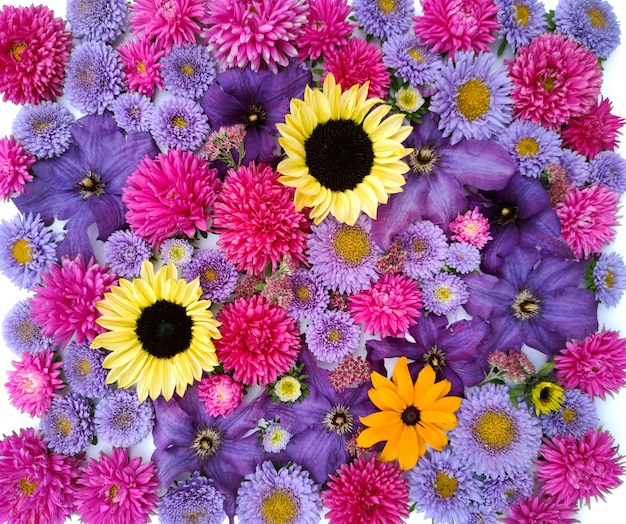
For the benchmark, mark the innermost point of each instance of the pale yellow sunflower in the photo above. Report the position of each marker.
(344, 154)
(160, 334)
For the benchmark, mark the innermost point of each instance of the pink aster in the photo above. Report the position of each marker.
(554, 79)
(116, 489)
(141, 65)
(595, 365)
(34, 50)
(220, 394)
(35, 485)
(14, 165)
(471, 227)
(258, 222)
(367, 490)
(326, 29)
(170, 195)
(593, 132)
(540, 510)
(587, 218)
(166, 22)
(259, 33)
(357, 62)
(389, 306)
(574, 470)
(457, 25)
(64, 303)
(259, 341)
(34, 382)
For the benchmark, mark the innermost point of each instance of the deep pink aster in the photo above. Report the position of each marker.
(367, 490)
(457, 25)
(261, 33)
(33, 382)
(554, 79)
(116, 489)
(170, 195)
(540, 510)
(258, 221)
(593, 132)
(595, 365)
(357, 62)
(259, 341)
(35, 485)
(327, 28)
(471, 227)
(141, 65)
(389, 307)
(166, 22)
(220, 394)
(34, 50)
(575, 470)
(587, 218)
(14, 165)
(64, 303)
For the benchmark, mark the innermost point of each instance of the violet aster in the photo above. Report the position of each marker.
(384, 19)
(309, 295)
(411, 60)
(609, 168)
(102, 20)
(463, 257)
(124, 253)
(502, 493)
(609, 278)
(133, 112)
(83, 371)
(20, 333)
(178, 251)
(426, 248)
(122, 420)
(521, 21)
(218, 276)
(68, 426)
(84, 185)
(444, 293)
(576, 167)
(576, 415)
(44, 129)
(333, 335)
(188, 70)
(179, 123)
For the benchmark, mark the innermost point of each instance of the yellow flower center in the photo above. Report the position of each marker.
(288, 389)
(187, 69)
(569, 415)
(387, 6)
(279, 507)
(548, 83)
(596, 17)
(141, 67)
(608, 279)
(409, 99)
(28, 488)
(38, 127)
(473, 99)
(547, 397)
(522, 14)
(210, 274)
(334, 335)
(303, 293)
(198, 515)
(83, 367)
(63, 426)
(495, 430)
(113, 492)
(416, 54)
(352, 244)
(22, 252)
(26, 331)
(528, 147)
(123, 421)
(16, 51)
(443, 294)
(419, 245)
(179, 121)
(445, 486)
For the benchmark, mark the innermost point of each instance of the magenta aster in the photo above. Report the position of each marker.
(471, 227)
(326, 29)
(141, 65)
(15, 162)
(540, 510)
(220, 394)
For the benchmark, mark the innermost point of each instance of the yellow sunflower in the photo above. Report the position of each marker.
(160, 333)
(410, 416)
(343, 155)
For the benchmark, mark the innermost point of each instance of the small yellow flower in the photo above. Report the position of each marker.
(547, 397)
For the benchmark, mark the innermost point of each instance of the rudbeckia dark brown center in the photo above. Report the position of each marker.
(339, 154)
(91, 184)
(254, 116)
(410, 416)
(164, 329)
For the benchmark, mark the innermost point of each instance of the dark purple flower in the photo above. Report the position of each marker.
(533, 300)
(84, 185)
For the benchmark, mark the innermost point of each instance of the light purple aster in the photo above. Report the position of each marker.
(309, 296)
(411, 61)
(463, 257)
(609, 168)
(44, 129)
(609, 277)
(426, 248)
(444, 293)
(68, 427)
(255, 497)
(218, 276)
(84, 185)
(591, 23)
(383, 21)
(576, 415)
(333, 335)
(124, 253)
(20, 333)
(94, 77)
(83, 371)
(28, 248)
(531, 146)
(521, 21)
(472, 98)
(179, 123)
(121, 420)
(133, 112)
(342, 256)
(481, 514)
(188, 70)
(442, 485)
(576, 166)
(178, 251)
(502, 493)
(192, 501)
(495, 438)
(102, 20)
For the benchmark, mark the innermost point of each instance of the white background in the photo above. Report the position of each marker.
(612, 412)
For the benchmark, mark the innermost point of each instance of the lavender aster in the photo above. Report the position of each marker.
(67, 427)
(309, 295)
(124, 253)
(180, 123)
(426, 248)
(275, 437)
(609, 168)
(20, 333)
(188, 70)
(44, 129)
(102, 20)
(576, 415)
(178, 251)
(94, 77)
(521, 21)
(609, 277)
(83, 371)
(133, 112)
(576, 166)
(444, 293)
(28, 248)
(481, 514)
(192, 501)
(383, 19)
(121, 420)
(412, 61)
(333, 335)
(502, 493)
(218, 276)
(463, 257)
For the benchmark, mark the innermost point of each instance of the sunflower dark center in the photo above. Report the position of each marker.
(339, 154)
(254, 116)
(164, 329)
(91, 184)
(410, 416)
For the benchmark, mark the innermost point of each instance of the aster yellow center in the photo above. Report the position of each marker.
(609, 279)
(522, 14)
(210, 274)
(83, 367)
(187, 69)
(419, 245)
(416, 54)
(443, 294)
(386, 6)
(596, 17)
(279, 507)
(352, 245)
(141, 67)
(113, 492)
(569, 415)
(473, 99)
(303, 293)
(548, 83)
(22, 252)
(38, 127)
(177, 253)
(28, 488)
(16, 51)
(288, 389)
(495, 430)
(63, 426)
(334, 335)
(527, 147)
(444, 485)
(179, 121)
